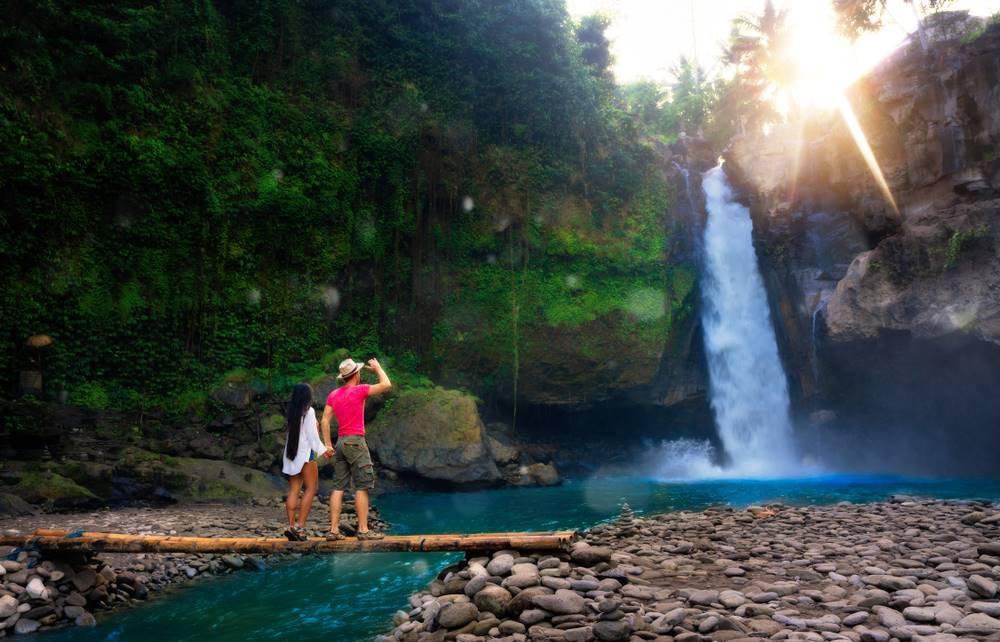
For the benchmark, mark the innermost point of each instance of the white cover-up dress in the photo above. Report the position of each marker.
(309, 442)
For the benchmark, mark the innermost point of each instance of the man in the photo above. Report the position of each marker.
(351, 459)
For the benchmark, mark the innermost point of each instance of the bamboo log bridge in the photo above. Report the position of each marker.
(86, 542)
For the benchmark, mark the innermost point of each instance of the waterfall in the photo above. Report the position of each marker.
(749, 391)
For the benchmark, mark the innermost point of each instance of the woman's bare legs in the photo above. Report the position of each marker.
(292, 500)
(310, 476)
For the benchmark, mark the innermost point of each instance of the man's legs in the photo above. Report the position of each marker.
(361, 506)
(336, 501)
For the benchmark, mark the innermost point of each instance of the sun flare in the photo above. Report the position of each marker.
(824, 64)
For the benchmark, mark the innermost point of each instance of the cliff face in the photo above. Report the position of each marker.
(892, 317)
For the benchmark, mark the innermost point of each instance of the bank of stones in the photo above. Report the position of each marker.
(70, 590)
(903, 570)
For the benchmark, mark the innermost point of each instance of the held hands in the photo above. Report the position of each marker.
(329, 452)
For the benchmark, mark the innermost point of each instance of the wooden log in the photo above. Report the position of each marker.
(57, 540)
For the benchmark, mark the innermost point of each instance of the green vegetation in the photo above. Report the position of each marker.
(992, 24)
(857, 17)
(195, 188)
(959, 241)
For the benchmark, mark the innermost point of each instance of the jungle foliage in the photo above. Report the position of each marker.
(195, 186)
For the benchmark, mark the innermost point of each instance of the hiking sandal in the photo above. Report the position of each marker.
(334, 536)
(369, 535)
(291, 534)
(301, 534)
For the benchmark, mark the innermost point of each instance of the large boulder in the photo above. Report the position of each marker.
(192, 479)
(436, 434)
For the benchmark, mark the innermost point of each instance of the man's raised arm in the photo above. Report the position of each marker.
(383, 384)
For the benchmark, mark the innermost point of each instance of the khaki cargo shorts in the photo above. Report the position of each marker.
(352, 461)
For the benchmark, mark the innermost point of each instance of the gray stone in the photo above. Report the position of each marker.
(25, 626)
(889, 617)
(591, 555)
(36, 589)
(493, 599)
(85, 619)
(708, 625)
(8, 606)
(874, 635)
(562, 602)
(703, 596)
(84, 579)
(982, 586)
(476, 584)
(731, 599)
(856, 618)
(989, 608)
(457, 615)
(521, 581)
(579, 634)
(947, 614)
(532, 616)
(500, 565)
(919, 614)
(524, 569)
(584, 585)
(611, 631)
(233, 561)
(978, 623)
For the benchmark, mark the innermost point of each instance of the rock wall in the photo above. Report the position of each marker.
(890, 317)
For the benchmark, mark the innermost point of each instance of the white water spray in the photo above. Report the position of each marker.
(749, 392)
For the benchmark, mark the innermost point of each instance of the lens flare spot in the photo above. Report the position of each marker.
(573, 282)
(331, 297)
(253, 296)
(468, 204)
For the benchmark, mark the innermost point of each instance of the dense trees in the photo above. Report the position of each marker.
(196, 185)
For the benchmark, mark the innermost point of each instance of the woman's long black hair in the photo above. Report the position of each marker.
(302, 396)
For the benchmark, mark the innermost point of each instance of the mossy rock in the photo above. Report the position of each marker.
(194, 479)
(272, 424)
(14, 506)
(53, 489)
(436, 434)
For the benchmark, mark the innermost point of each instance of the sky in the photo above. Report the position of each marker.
(648, 36)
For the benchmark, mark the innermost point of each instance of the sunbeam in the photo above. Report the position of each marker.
(866, 151)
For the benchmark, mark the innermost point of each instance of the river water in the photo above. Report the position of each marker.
(352, 597)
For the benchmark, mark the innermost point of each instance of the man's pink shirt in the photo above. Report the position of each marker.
(348, 403)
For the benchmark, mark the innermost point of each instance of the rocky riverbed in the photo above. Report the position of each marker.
(907, 569)
(37, 592)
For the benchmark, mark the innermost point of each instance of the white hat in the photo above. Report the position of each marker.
(347, 369)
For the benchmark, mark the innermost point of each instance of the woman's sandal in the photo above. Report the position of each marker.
(334, 536)
(291, 534)
(370, 535)
(301, 534)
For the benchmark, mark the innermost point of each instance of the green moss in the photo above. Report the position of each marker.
(960, 240)
(90, 395)
(51, 488)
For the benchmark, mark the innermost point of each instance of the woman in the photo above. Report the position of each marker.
(301, 445)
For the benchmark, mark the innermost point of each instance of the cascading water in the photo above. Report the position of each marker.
(749, 391)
